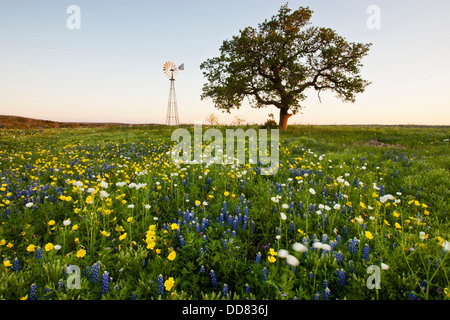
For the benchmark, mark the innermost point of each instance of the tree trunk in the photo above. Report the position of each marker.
(284, 116)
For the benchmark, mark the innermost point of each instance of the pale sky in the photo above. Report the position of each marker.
(110, 70)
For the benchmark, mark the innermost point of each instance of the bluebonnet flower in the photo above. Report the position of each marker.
(345, 232)
(33, 292)
(224, 207)
(324, 238)
(160, 282)
(247, 288)
(15, 265)
(366, 251)
(316, 296)
(236, 224)
(412, 296)
(39, 253)
(224, 244)
(258, 257)
(105, 283)
(339, 256)
(326, 294)
(187, 217)
(422, 286)
(183, 243)
(95, 272)
(341, 277)
(47, 291)
(353, 246)
(213, 278)
(291, 227)
(245, 222)
(225, 290)
(381, 190)
(324, 284)
(333, 244)
(229, 219)
(61, 285)
(265, 273)
(202, 269)
(305, 241)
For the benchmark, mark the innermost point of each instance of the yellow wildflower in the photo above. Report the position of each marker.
(169, 283)
(81, 253)
(104, 233)
(172, 256)
(49, 246)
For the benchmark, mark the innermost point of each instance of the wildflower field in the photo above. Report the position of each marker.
(346, 200)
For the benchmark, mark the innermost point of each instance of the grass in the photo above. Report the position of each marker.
(137, 220)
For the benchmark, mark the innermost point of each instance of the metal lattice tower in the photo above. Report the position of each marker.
(170, 70)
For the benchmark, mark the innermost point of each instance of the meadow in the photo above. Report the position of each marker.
(111, 202)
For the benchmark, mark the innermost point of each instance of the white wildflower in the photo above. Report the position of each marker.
(282, 253)
(293, 261)
(299, 247)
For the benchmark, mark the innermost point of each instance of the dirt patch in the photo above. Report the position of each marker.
(379, 144)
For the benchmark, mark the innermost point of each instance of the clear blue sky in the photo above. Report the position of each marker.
(111, 68)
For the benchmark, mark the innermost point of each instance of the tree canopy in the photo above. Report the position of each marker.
(275, 63)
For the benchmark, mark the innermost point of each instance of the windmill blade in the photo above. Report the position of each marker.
(181, 67)
(170, 69)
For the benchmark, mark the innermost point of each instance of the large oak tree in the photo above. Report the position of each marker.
(277, 62)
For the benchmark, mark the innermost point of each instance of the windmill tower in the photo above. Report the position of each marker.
(170, 70)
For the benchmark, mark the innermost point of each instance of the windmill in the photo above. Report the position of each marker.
(170, 70)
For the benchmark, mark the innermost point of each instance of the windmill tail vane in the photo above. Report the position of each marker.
(170, 70)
